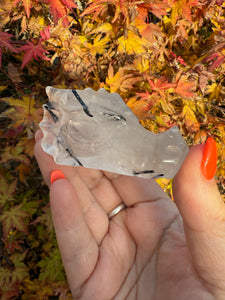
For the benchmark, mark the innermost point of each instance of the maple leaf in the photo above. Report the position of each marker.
(7, 190)
(125, 7)
(159, 85)
(23, 112)
(132, 44)
(190, 119)
(45, 218)
(122, 80)
(27, 5)
(184, 87)
(215, 60)
(5, 42)
(178, 59)
(182, 8)
(142, 106)
(20, 269)
(214, 90)
(158, 8)
(51, 266)
(13, 218)
(33, 51)
(16, 153)
(99, 45)
(12, 132)
(99, 7)
(12, 245)
(150, 32)
(45, 33)
(58, 9)
(28, 145)
(11, 289)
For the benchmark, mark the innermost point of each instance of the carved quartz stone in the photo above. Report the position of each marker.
(98, 130)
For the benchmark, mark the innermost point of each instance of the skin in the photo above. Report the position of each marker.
(154, 249)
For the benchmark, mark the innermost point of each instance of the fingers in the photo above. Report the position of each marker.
(78, 248)
(106, 188)
(134, 190)
(203, 212)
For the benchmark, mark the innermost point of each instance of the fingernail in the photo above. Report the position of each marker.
(56, 174)
(209, 159)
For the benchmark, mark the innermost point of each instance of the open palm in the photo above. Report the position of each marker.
(141, 253)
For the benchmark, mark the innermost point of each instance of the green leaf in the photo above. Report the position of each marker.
(20, 269)
(6, 190)
(45, 218)
(15, 153)
(51, 267)
(13, 218)
(5, 276)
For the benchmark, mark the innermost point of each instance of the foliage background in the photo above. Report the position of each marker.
(165, 58)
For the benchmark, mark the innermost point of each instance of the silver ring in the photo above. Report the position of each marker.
(116, 210)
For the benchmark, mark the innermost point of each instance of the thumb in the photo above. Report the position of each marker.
(203, 211)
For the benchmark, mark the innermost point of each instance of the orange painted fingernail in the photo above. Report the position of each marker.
(56, 174)
(209, 159)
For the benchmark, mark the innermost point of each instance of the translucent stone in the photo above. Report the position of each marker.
(98, 130)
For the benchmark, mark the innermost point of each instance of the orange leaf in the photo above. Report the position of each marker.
(182, 9)
(24, 170)
(58, 9)
(184, 87)
(27, 5)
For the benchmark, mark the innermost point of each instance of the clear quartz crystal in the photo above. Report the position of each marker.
(98, 130)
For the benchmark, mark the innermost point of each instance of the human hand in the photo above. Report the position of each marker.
(142, 252)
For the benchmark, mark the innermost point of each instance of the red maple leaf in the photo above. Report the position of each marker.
(5, 42)
(159, 85)
(124, 7)
(158, 8)
(35, 51)
(214, 60)
(45, 33)
(58, 9)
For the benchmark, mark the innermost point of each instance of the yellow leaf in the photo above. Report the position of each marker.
(122, 81)
(214, 91)
(141, 63)
(23, 112)
(3, 87)
(190, 119)
(132, 44)
(103, 28)
(167, 107)
(99, 46)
